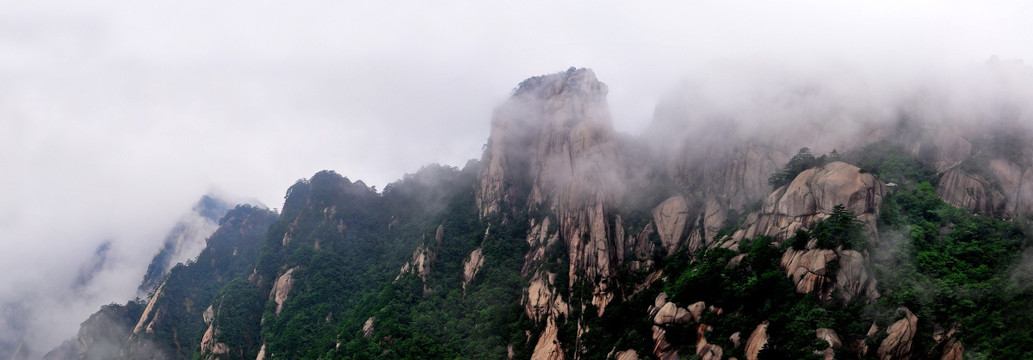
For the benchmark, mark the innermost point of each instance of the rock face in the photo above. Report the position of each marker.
(555, 129)
(548, 346)
(830, 337)
(1017, 185)
(900, 335)
(542, 301)
(211, 348)
(757, 340)
(809, 269)
(472, 264)
(552, 150)
(282, 288)
(670, 218)
(999, 185)
(963, 190)
(853, 279)
(149, 313)
(711, 186)
(421, 259)
(811, 197)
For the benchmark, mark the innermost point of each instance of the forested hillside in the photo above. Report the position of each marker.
(567, 240)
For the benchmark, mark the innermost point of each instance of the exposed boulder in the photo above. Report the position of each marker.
(900, 335)
(671, 313)
(418, 264)
(736, 339)
(705, 349)
(670, 218)
(664, 312)
(809, 270)
(811, 197)
(1016, 184)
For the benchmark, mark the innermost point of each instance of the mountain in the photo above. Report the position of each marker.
(185, 240)
(703, 238)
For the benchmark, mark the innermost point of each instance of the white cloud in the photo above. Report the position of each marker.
(115, 116)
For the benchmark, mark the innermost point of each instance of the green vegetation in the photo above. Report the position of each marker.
(345, 244)
(840, 229)
(953, 269)
(190, 288)
(803, 160)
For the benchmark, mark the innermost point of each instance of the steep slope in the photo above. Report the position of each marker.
(569, 241)
(185, 240)
(171, 321)
(102, 335)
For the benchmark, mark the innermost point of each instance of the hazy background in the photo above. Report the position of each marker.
(115, 117)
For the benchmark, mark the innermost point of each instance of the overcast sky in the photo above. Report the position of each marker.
(116, 116)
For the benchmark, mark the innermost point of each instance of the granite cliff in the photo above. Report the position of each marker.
(568, 240)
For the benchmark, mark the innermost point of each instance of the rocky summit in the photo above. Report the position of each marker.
(569, 240)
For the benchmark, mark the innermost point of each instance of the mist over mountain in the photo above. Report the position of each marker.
(765, 212)
(116, 116)
(185, 240)
(31, 319)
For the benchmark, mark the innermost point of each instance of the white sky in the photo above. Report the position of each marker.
(116, 116)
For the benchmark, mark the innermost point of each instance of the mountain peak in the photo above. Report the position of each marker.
(579, 82)
(552, 134)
